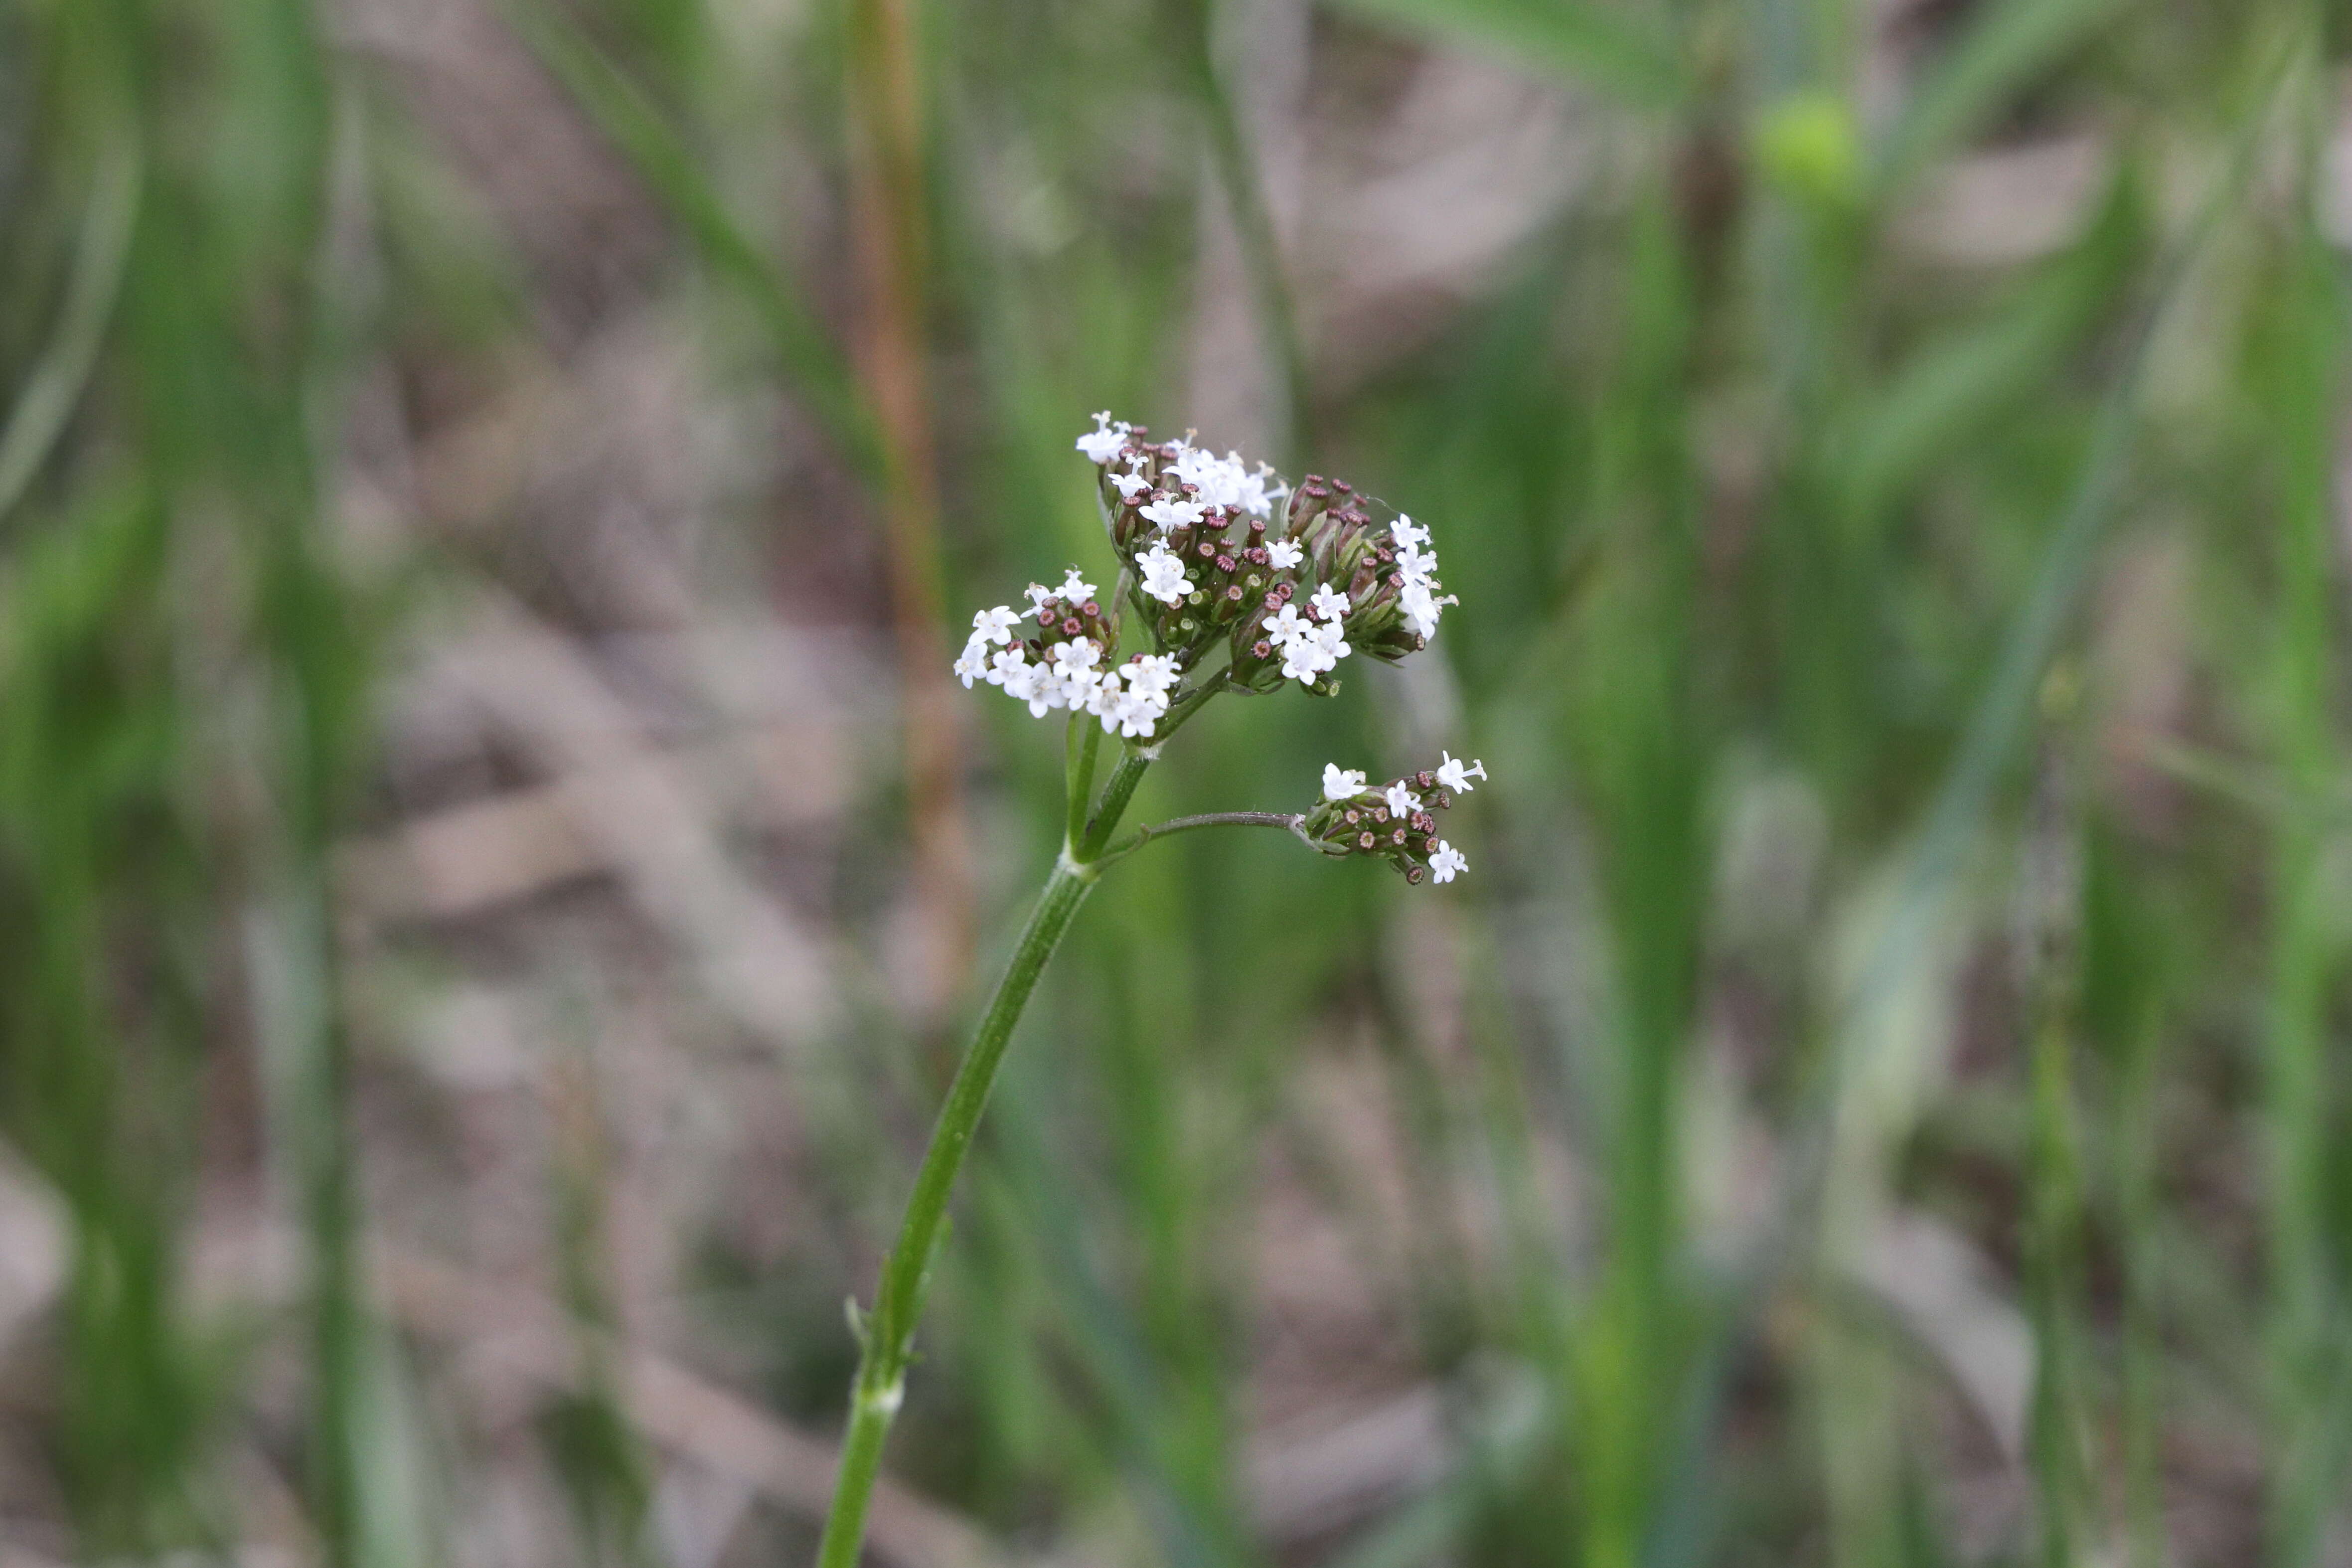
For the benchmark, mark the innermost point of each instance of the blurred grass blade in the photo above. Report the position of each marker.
(1583, 42)
(660, 157)
(2297, 375)
(1254, 226)
(1997, 720)
(2006, 47)
(1949, 388)
(56, 382)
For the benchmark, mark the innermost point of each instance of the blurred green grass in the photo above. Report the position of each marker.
(1836, 885)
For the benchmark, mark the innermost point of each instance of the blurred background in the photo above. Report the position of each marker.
(494, 870)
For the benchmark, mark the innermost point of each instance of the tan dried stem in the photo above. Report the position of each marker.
(888, 218)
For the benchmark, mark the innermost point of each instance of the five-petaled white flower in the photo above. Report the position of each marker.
(1308, 649)
(1171, 512)
(1260, 490)
(1420, 606)
(1220, 482)
(1283, 555)
(1037, 594)
(1402, 801)
(1454, 775)
(1163, 575)
(1131, 485)
(1407, 533)
(1328, 605)
(973, 663)
(1153, 673)
(995, 626)
(1134, 710)
(1341, 783)
(1075, 589)
(1447, 863)
(1011, 669)
(1103, 443)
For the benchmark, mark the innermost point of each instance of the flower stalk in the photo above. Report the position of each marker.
(1215, 565)
(887, 1336)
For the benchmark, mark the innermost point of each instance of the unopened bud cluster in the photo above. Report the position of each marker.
(1395, 821)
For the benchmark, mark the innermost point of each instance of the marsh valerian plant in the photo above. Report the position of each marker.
(1231, 580)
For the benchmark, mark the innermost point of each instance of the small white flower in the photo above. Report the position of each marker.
(1222, 481)
(1402, 801)
(1283, 555)
(1416, 566)
(1406, 533)
(1447, 863)
(1131, 485)
(1022, 681)
(1105, 440)
(995, 626)
(1137, 715)
(1075, 590)
(1328, 605)
(1342, 783)
(1308, 649)
(1037, 594)
(1170, 512)
(1420, 608)
(1010, 667)
(1261, 491)
(1163, 575)
(1078, 653)
(1454, 777)
(1133, 711)
(1154, 674)
(973, 665)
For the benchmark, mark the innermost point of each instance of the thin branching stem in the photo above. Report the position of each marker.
(1289, 822)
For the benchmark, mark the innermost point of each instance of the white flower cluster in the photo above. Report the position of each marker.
(1311, 645)
(1393, 821)
(1129, 699)
(1418, 565)
(1162, 575)
(1225, 481)
(1347, 784)
(1216, 481)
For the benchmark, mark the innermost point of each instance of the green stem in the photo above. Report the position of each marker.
(1289, 822)
(1115, 796)
(1086, 741)
(890, 1333)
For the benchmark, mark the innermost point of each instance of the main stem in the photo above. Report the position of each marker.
(889, 1334)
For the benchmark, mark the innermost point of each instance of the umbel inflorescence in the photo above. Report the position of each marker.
(1216, 557)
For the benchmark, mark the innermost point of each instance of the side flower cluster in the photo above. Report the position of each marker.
(1063, 666)
(1393, 821)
